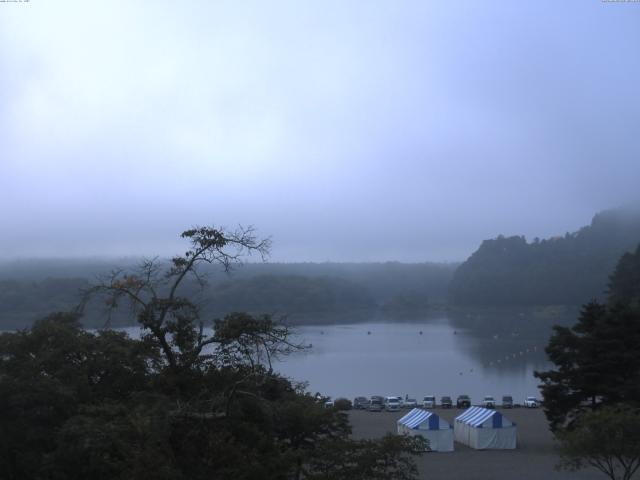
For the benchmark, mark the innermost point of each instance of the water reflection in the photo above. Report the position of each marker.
(449, 355)
(469, 353)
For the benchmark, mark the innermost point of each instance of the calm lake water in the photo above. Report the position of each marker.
(435, 356)
(396, 359)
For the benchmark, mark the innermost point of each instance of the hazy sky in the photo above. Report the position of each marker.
(346, 130)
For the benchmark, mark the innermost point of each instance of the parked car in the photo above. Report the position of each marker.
(410, 403)
(375, 404)
(507, 401)
(360, 403)
(400, 401)
(429, 401)
(531, 402)
(463, 401)
(446, 402)
(342, 404)
(489, 402)
(391, 404)
(329, 404)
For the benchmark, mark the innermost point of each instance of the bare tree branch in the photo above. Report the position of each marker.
(152, 291)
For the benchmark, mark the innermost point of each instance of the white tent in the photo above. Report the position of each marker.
(481, 428)
(430, 426)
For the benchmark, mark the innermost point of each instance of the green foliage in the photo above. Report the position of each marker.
(258, 340)
(624, 285)
(76, 404)
(564, 270)
(607, 439)
(30, 290)
(387, 458)
(291, 294)
(176, 404)
(48, 373)
(22, 301)
(343, 404)
(597, 362)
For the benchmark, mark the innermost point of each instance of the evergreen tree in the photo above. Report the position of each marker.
(624, 285)
(597, 360)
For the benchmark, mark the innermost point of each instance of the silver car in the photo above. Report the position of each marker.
(391, 404)
(410, 403)
(375, 405)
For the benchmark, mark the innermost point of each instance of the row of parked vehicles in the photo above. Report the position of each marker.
(393, 404)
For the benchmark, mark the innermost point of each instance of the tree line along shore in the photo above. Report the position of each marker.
(504, 274)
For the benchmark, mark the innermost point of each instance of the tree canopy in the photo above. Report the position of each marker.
(607, 439)
(180, 402)
(301, 291)
(597, 360)
(624, 285)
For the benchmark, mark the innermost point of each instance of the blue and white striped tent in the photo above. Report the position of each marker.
(482, 428)
(430, 426)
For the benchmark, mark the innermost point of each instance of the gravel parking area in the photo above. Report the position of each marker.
(534, 459)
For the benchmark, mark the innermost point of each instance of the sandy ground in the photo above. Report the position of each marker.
(534, 459)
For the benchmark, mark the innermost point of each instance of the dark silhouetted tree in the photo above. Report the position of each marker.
(607, 439)
(179, 403)
(597, 360)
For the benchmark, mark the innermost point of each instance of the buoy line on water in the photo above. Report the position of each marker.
(513, 355)
(507, 357)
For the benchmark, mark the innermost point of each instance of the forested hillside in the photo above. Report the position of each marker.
(624, 285)
(30, 289)
(567, 270)
(281, 294)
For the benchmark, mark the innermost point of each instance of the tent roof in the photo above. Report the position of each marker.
(416, 417)
(476, 416)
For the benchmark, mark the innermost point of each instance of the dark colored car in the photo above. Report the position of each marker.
(463, 401)
(360, 403)
(446, 402)
(342, 404)
(507, 401)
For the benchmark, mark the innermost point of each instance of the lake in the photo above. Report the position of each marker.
(439, 357)
(447, 355)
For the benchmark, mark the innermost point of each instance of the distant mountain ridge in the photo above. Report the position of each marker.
(567, 270)
(30, 289)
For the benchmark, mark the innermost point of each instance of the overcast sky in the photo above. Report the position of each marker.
(346, 130)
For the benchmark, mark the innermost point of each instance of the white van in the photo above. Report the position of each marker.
(392, 404)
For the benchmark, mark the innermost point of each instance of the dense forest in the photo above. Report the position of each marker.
(176, 403)
(30, 289)
(503, 272)
(567, 270)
